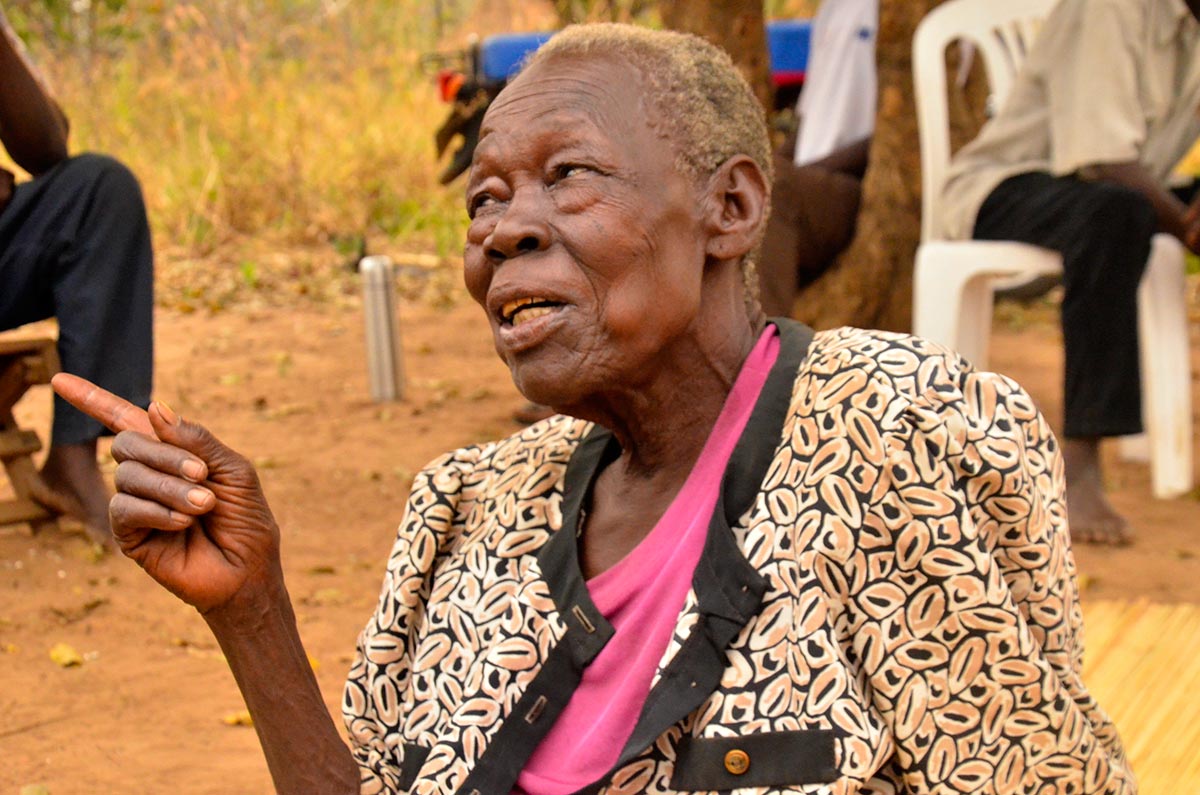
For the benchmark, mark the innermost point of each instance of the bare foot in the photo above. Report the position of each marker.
(73, 485)
(1091, 517)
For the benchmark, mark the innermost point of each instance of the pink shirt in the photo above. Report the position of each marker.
(642, 596)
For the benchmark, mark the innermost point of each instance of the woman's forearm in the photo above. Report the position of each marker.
(304, 752)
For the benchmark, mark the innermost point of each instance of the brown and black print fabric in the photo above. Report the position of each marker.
(919, 628)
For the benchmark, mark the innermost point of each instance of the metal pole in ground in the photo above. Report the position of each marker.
(385, 362)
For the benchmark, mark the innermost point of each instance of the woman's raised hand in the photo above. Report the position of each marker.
(188, 510)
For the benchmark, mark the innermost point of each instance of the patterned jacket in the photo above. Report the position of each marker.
(886, 601)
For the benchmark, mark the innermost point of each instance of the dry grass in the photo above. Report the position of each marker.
(273, 139)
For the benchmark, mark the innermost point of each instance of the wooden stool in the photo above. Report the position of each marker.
(23, 363)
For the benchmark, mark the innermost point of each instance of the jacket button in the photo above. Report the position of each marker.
(737, 761)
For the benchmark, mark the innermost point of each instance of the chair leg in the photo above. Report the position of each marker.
(975, 320)
(22, 366)
(16, 449)
(1166, 370)
(952, 306)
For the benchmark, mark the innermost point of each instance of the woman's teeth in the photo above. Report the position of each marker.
(532, 313)
(525, 309)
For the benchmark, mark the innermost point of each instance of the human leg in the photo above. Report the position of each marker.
(1103, 232)
(75, 245)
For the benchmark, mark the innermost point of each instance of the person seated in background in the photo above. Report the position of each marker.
(74, 245)
(818, 184)
(743, 556)
(1077, 160)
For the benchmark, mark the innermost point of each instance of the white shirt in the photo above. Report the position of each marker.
(837, 105)
(1107, 81)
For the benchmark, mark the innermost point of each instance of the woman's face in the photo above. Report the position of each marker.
(585, 246)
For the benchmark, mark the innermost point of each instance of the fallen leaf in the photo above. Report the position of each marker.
(240, 718)
(35, 789)
(65, 655)
(287, 410)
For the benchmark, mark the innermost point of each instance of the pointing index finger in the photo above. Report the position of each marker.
(117, 413)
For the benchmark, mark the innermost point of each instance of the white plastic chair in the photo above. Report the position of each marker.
(954, 281)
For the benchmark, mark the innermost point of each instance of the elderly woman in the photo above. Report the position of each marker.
(744, 558)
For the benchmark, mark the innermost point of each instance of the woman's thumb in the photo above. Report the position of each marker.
(189, 436)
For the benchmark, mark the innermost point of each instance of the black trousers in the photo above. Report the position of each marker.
(1103, 232)
(75, 245)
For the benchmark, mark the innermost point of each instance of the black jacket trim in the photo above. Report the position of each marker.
(414, 756)
(558, 558)
(771, 759)
(535, 712)
(728, 588)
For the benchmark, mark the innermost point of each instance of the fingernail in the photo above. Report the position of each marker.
(192, 470)
(201, 498)
(167, 413)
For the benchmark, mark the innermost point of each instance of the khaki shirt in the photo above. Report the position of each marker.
(1107, 81)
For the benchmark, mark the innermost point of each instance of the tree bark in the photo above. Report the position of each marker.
(871, 283)
(737, 26)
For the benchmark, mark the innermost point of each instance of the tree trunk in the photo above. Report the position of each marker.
(871, 284)
(737, 26)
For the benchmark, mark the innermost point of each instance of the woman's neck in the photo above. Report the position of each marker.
(663, 422)
(662, 430)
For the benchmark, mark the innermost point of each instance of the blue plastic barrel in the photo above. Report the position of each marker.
(501, 56)
(787, 45)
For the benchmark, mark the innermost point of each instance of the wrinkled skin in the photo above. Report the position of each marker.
(575, 199)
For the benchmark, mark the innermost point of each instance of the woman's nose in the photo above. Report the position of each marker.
(521, 230)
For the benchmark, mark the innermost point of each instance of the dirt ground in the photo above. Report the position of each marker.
(146, 710)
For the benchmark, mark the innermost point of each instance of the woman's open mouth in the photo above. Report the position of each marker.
(524, 310)
(528, 321)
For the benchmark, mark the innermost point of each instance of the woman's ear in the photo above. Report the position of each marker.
(735, 208)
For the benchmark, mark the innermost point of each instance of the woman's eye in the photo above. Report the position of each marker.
(479, 202)
(571, 170)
